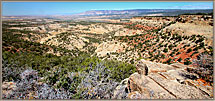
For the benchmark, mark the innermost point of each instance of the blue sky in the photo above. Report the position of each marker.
(58, 8)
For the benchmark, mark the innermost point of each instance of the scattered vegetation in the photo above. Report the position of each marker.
(204, 67)
(42, 71)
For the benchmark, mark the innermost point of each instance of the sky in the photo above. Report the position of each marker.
(61, 8)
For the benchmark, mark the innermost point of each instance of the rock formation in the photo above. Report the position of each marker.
(161, 81)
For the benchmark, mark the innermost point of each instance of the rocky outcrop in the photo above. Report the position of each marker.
(161, 81)
(67, 41)
(110, 47)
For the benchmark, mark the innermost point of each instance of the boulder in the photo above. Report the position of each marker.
(147, 87)
(180, 91)
(161, 81)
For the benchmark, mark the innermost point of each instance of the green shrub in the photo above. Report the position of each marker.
(165, 50)
(169, 61)
(187, 62)
(189, 50)
(179, 60)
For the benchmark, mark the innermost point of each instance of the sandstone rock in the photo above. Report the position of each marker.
(150, 67)
(147, 87)
(142, 69)
(109, 47)
(169, 82)
(178, 75)
(180, 91)
(178, 65)
(204, 88)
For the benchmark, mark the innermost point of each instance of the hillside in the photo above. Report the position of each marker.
(144, 57)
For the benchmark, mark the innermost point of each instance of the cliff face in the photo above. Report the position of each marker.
(161, 81)
(141, 12)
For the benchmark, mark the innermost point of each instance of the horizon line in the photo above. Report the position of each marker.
(104, 10)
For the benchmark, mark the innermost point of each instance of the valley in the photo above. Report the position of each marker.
(87, 59)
